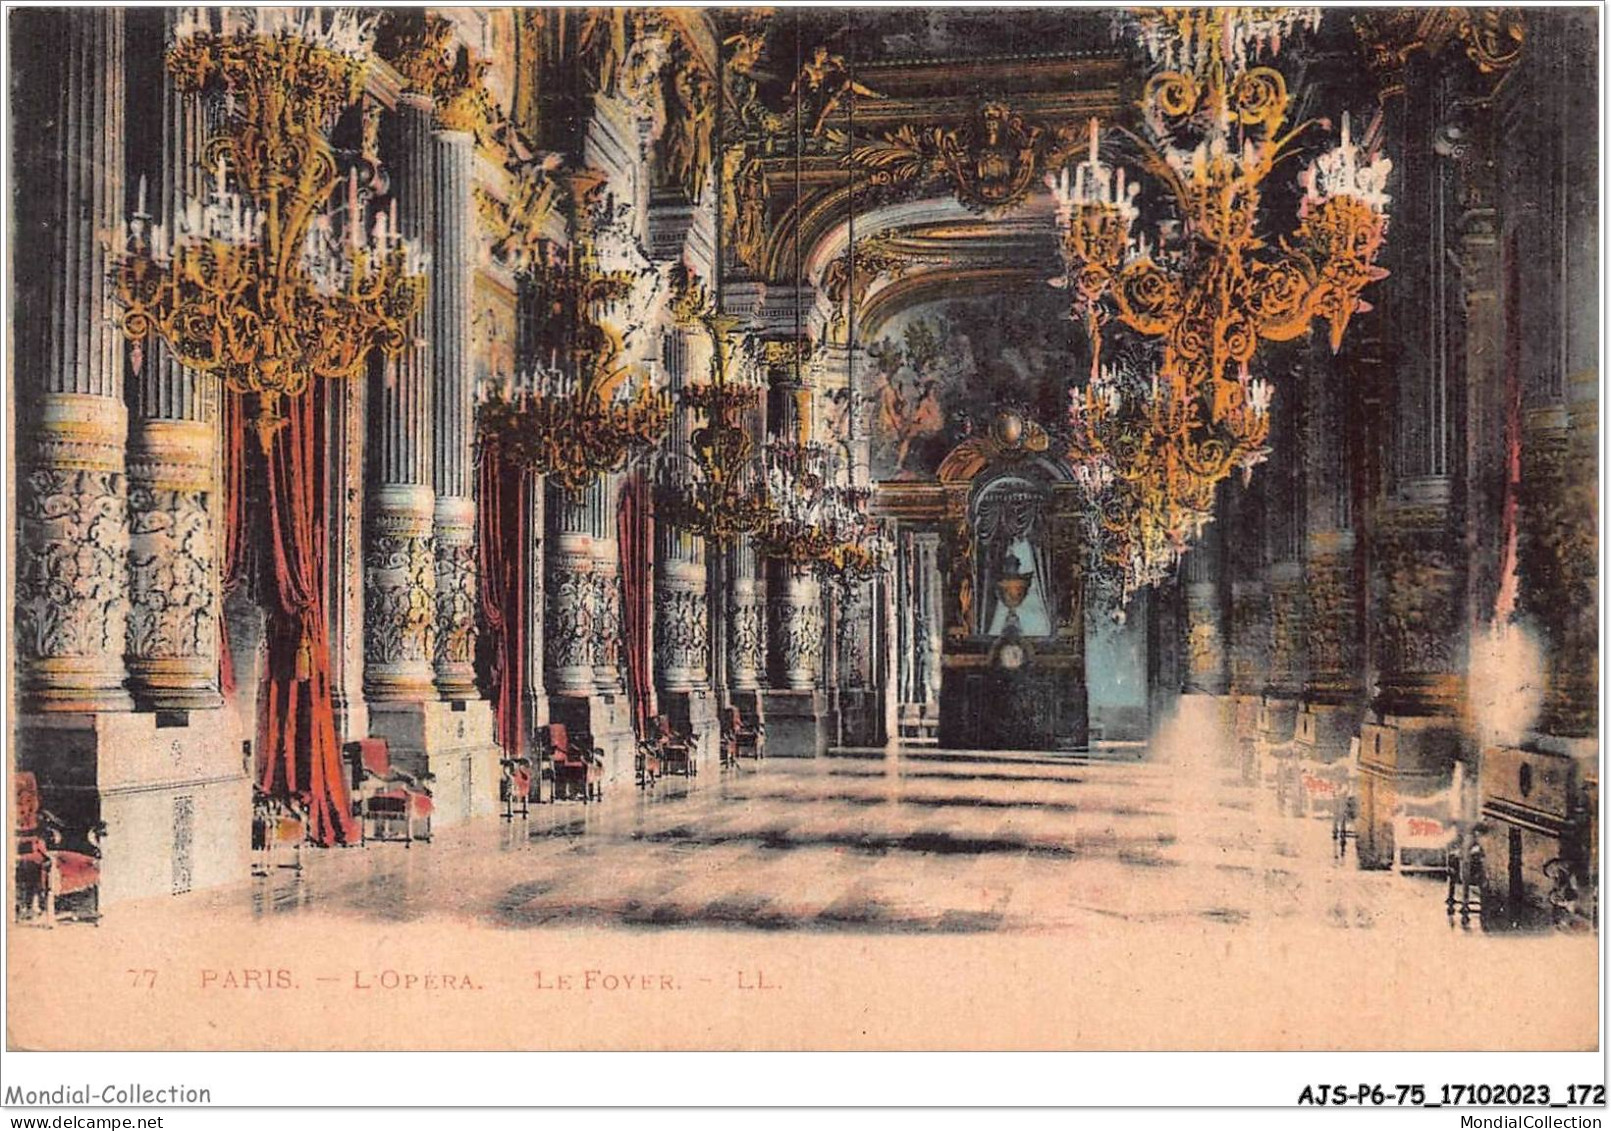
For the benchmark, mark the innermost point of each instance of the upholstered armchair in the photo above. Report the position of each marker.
(648, 763)
(54, 863)
(279, 829)
(1424, 831)
(516, 788)
(740, 739)
(578, 767)
(675, 747)
(391, 803)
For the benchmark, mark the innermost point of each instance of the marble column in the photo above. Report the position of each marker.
(1205, 705)
(1421, 617)
(173, 484)
(72, 580)
(682, 637)
(400, 560)
(1283, 531)
(1334, 675)
(858, 704)
(583, 628)
(746, 628)
(796, 708)
(453, 250)
(797, 628)
(163, 782)
(1207, 653)
(681, 630)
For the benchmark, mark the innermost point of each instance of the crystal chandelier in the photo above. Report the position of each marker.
(717, 492)
(272, 278)
(589, 415)
(819, 520)
(1211, 288)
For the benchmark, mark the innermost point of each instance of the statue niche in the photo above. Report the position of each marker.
(1013, 664)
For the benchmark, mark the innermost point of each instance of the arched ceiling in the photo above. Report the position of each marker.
(929, 132)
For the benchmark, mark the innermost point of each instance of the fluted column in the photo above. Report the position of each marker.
(1419, 623)
(71, 570)
(453, 249)
(1550, 276)
(173, 484)
(1334, 672)
(681, 614)
(400, 562)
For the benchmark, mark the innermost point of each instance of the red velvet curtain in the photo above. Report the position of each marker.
(634, 536)
(502, 512)
(298, 754)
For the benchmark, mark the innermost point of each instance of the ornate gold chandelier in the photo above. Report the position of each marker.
(268, 282)
(594, 414)
(1212, 288)
(726, 495)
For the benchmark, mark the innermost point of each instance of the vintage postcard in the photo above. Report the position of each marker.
(804, 528)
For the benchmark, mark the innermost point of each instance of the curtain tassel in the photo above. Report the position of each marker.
(304, 659)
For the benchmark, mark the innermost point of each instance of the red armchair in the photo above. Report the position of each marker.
(391, 804)
(516, 788)
(649, 767)
(279, 828)
(675, 747)
(578, 769)
(48, 872)
(739, 739)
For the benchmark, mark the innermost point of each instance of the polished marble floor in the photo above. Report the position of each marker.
(899, 840)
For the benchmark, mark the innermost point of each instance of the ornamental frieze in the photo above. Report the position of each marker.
(1331, 631)
(455, 603)
(171, 568)
(747, 634)
(72, 545)
(991, 162)
(568, 628)
(399, 593)
(1421, 608)
(682, 635)
(799, 628)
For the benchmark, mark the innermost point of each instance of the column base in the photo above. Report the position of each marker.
(749, 703)
(606, 722)
(856, 717)
(796, 723)
(175, 795)
(1400, 757)
(1323, 732)
(695, 709)
(451, 741)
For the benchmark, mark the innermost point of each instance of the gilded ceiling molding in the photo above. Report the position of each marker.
(1492, 39)
(991, 162)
